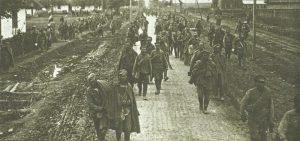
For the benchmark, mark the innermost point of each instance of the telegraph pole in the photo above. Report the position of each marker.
(130, 9)
(254, 31)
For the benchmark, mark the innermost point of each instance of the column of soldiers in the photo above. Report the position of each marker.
(41, 38)
(207, 71)
(257, 106)
(208, 74)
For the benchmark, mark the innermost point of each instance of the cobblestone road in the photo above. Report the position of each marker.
(174, 114)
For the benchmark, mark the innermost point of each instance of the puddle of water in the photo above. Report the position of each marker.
(56, 71)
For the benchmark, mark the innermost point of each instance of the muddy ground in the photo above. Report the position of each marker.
(60, 112)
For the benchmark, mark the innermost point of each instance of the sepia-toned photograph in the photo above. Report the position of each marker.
(150, 70)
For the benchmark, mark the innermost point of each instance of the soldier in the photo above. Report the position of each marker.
(241, 51)
(149, 46)
(164, 49)
(96, 104)
(218, 37)
(258, 104)
(179, 44)
(211, 34)
(18, 43)
(143, 38)
(227, 43)
(186, 57)
(6, 56)
(289, 127)
(220, 77)
(238, 28)
(245, 30)
(49, 37)
(159, 64)
(142, 68)
(218, 16)
(129, 113)
(127, 61)
(196, 52)
(199, 28)
(158, 27)
(202, 78)
(100, 29)
(34, 37)
(41, 38)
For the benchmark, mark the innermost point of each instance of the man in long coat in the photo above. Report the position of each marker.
(96, 101)
(129, 116)
(257, 106)
(127, 61)
(289, 127)
(220, 77)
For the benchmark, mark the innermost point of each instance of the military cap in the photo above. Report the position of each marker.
(260, 78)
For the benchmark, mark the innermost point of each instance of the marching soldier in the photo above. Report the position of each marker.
(159, 64)
(289, 127)
(196, 54)
(199, 28)
(129, 113)
(96, 104)
(127, 61)
(142, 68)
(220, 77)
(227, 43)
(143, 38)
(257, 106)
(211, 34)
(218, 16)
(245, 30)
(6, 56)
(41, 38)
(202, 78)
(241, 51)
(238, 28)
(218, 37)
(149, 46)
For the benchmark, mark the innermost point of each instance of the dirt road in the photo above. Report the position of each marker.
(174, 114)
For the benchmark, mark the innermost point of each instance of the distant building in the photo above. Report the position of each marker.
(62, 8)
(283, 4)
(32, 6)
(17, 20)
(88, 8)
(194, 4)
(76, 8)
(259, 4)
